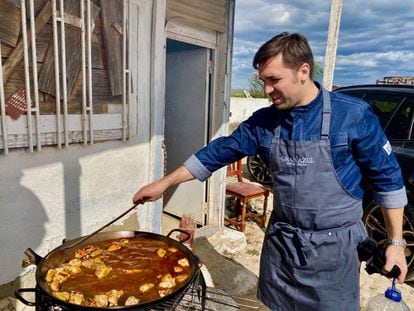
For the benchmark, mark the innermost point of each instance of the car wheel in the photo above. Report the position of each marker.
(258, 170)
(375, 226)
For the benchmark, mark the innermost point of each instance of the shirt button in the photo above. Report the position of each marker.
(329, 233)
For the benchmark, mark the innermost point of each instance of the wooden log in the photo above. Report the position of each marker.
(10, 23)
(73, 53)
(17, 55)
(112, 14)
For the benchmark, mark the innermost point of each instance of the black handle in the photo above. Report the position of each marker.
(181, 231)
(20, 297)
(394, 273)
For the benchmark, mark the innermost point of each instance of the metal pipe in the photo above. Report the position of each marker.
(34, 74)
(84, 112)
(124, 80)
(57, 82)
(129, 77)
(89, 33)
(27, 75)
(64, 85)
(3, 108)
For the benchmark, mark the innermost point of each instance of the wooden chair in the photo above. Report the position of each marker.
(243, 192)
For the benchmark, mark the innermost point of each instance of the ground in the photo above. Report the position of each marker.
(371, 285)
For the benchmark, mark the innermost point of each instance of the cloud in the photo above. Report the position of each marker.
(375, 36)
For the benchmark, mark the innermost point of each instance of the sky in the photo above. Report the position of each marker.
(376, 36)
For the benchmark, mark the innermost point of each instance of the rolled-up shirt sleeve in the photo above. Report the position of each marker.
(375, 155)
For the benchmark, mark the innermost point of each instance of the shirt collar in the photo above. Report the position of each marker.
(314, 103)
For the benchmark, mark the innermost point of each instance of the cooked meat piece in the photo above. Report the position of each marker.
(72, 269)
(97, 252)
(88, 263)
(161, 252)
(76, 298)
(83, 252)
(101, 300)
(167, 281)
(173, 249)
(146, 287)
(178, 269)
(181, 278)
(75, 262)
(131, 301)
(183, 262)
(164, 292)
(55, 286)
(50, 275)
(113, 297)
(114, 247)
(89, 302)
(124, 242)
(102, 271)
(61, 295)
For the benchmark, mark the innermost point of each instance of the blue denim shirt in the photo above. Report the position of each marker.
(359, 146)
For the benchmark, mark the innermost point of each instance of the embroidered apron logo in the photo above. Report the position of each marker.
(304, 161)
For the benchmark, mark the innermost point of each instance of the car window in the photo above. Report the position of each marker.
(400, 123)
(384, 105)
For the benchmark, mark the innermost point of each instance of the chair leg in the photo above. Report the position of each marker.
(264, 210)
(243, 215)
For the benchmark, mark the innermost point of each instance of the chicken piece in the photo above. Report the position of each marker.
(183, 262)
(61, 295)
(173, 249)
(161, 252)
(178, 269)
(76, 298)
(113, 297)
(61, 277)
(50, 275)
(131, 301)
(72, 269)
(75, 262)
(55, 286)
(101, 300)
(146, 287)
(97, 252)
(164, 292)
(88, 263)
(102, 271)
(124, 242)
(89, 302)
(181, 278)
(114, 247)
(84, 252)
(167, 281)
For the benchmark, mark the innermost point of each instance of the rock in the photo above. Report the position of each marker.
(228, 241)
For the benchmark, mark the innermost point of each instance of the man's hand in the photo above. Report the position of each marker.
(394, 255)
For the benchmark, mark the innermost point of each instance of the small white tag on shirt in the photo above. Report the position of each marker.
(387, 147)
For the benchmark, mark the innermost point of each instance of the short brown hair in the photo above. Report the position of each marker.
(294, 48)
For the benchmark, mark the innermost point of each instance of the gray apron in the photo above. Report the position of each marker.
(309, 259)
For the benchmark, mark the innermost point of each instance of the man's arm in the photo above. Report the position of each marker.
(155, 190)
(395, 254)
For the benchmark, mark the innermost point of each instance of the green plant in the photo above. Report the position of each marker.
(253, 252)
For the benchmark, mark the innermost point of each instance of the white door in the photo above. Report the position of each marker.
(186, 120)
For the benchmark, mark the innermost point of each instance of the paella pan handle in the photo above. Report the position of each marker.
(181, 231)
(18, 295)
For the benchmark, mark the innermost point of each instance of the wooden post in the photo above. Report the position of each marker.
(332, 44)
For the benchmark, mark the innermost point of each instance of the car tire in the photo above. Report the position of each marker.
(375, 226)
(259, 171)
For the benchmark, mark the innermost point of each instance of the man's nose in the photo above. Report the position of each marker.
(268, 89)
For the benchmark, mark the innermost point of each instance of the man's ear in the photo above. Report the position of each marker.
(304, 72)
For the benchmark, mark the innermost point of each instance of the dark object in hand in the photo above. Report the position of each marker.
(374, 255)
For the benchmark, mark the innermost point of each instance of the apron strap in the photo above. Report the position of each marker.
(326, 115)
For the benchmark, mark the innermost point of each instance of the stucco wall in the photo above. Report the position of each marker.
(54, 194)
(242, 108)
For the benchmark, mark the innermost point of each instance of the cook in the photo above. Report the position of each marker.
(319, 146)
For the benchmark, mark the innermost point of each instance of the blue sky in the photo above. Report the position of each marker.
(376, 36)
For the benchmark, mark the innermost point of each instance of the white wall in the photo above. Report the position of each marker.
(56, 194)
(242, 108)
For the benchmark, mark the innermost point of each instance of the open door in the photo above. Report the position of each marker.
(186, 122)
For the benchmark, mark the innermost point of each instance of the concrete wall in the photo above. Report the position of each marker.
(242, 108)
(56, 194)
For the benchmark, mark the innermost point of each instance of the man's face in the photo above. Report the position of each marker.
(284, 85)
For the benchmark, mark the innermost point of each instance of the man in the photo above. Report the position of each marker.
(319, 146)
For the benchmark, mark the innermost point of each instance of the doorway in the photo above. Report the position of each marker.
(187, 106)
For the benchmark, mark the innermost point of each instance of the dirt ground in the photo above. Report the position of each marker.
(371, 285)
